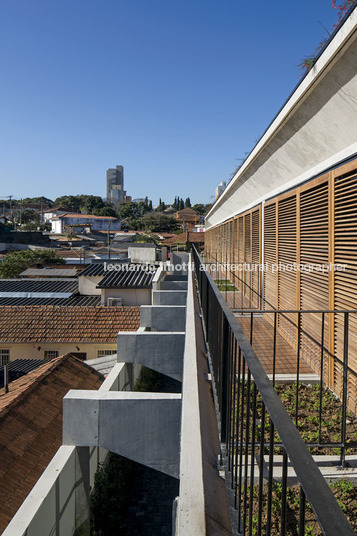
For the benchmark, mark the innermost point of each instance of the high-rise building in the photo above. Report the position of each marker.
(115, 185)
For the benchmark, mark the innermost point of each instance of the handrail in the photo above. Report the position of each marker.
(327, 511)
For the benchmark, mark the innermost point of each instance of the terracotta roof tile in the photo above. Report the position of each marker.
(66, 324)
(31, 426)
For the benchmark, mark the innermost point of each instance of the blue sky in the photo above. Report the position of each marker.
(175, 91)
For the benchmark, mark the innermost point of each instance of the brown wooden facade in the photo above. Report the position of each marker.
(313, 224)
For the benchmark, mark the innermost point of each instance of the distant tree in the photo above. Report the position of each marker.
(187, 202)
(181, 204)
(17, 261)
(105, 211)
(73, 202)
(93, 202)
(150, 205)
(156, 222)
(37, 201)
(161, 207)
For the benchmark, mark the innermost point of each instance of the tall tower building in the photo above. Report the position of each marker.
(115, 185)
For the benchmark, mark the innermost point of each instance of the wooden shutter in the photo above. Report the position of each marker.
(314, 284)
(247, 254)
(256, 258)
(270, 259)
(346, 281)
(286, 260)
(241, 251)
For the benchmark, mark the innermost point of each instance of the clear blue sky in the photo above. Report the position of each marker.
(175, 91)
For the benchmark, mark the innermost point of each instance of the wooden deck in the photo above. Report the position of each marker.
(263, 345)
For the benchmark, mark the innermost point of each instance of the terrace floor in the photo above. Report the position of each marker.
(263, 345)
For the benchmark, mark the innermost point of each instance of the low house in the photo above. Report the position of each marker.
(54, 212)
(45, 332)
(126, 284)
(31, 426)
(188, 218)
(76, 223)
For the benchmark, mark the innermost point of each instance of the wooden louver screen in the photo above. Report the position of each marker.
(346, 281)
(314, 271)
(269, 301)
(286, 272)
(256, 259)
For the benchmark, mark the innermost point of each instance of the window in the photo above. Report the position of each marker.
(50, 354)
(102, 353)
(4, 356)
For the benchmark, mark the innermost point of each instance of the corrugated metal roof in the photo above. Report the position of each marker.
(38, 285)
(94, 269)
(130, 276)
(49, 272)
(65, 302)
(20, 367)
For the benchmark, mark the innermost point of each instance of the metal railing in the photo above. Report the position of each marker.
(258, 433)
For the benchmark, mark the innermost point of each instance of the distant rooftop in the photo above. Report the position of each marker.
(130, 276)
(66, 324)
(31, 425)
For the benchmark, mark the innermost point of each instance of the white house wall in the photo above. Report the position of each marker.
(37, 350)
(316, 129)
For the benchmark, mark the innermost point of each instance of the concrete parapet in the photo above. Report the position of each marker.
(59, 501)
(167, 284)
(169, 297)
(160, 351)
(144, 427)
(163, 317)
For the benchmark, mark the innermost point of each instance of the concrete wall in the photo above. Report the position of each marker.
(87, 285)
(132, 296)
(36, 350)
(163, 318)
(142, 255)
(59, 502)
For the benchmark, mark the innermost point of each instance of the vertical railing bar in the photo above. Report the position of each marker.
(283, 494)
(235, 410)
(344, 394)
(274, 348)
(246, 453)
(229, 394)
(270, 478)
(239, 409)
(321, 372)
(298, 371)
(261, 470)
(241, 447)
(252, 460)
(302, 512)
(251, 328)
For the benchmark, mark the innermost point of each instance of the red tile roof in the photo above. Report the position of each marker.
(31, 426)
(184, 237)
(40, 323)
(88, 216)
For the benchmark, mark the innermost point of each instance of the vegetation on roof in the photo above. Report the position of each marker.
(16, 262)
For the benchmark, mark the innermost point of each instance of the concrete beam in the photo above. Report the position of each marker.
(169, 297)
(163, 317)
(144, 427)
(160, 351)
